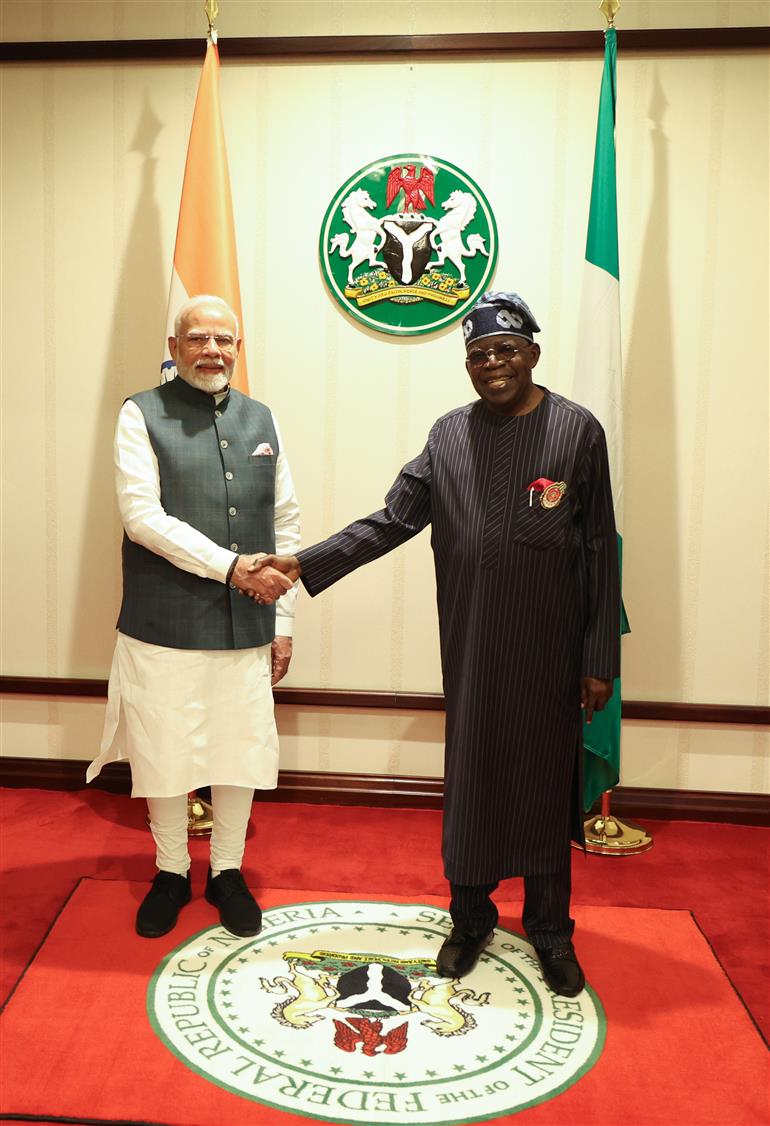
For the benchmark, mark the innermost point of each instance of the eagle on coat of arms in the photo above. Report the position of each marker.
(369, 1034)
(415, 188)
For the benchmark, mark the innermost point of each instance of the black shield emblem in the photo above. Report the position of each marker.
(407, 247)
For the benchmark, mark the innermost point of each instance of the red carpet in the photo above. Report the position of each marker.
(50, 839)
(680, 1047)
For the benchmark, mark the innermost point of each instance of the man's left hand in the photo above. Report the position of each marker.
(594, 695)
(280, 653)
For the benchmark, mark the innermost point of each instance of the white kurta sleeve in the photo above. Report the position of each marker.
(286, 535)
(146, 522)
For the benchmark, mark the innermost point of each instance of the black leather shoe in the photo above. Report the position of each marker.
(561, 969)
(159, 910)
(460, 953)
(239, 911)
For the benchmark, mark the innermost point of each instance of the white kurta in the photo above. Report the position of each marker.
(186, 718)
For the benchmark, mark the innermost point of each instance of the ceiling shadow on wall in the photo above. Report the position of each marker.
(138, 321)
(652, 541)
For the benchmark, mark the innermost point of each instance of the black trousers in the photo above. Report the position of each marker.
(546, 914)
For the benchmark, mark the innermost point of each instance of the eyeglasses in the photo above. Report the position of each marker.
(200, 340)
(504, 352)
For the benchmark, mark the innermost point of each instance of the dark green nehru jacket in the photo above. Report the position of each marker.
(212, 478)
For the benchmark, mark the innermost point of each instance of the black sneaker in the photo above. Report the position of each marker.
(159, 910)
(239, 911)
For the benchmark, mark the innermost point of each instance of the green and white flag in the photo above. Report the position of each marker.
(599, 385)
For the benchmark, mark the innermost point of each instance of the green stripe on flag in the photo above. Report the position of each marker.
(602, 242)
(601, 737)
(601, 740)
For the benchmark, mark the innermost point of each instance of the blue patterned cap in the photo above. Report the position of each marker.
(499, 314)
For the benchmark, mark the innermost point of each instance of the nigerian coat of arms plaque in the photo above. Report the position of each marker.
(408, 244)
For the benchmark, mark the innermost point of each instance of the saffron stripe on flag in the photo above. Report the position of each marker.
(205, 254)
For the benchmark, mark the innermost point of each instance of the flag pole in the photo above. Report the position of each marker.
(606, 834)
(200, 813)
(211, 8)
(609, 9)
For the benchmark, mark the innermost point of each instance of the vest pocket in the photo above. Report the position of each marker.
(263, 461)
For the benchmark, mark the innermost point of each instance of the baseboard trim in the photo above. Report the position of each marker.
(318, 788)
(649, 710)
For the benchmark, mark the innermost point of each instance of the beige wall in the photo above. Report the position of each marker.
(172, 19)
(92, 158)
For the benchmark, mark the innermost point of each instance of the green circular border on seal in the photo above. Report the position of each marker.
(480, 269)
(290, 929)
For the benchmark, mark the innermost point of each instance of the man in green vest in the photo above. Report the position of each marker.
(204, 488)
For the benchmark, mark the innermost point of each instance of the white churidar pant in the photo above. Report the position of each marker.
(168, 821)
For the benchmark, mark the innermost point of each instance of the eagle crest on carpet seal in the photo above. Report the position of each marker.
(372, 987)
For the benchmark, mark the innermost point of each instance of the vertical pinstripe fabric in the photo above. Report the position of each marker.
(517, 634)
(546, 914)
(498, 498)
(472, 909)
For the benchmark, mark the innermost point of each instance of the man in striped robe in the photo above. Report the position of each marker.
(516, 489)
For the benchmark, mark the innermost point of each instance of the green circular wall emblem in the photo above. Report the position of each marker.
(408, 244)
(336, 1012)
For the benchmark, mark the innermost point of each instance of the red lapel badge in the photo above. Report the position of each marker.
(551, 492)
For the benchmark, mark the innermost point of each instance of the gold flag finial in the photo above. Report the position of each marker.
(211, 8)
(609, 9)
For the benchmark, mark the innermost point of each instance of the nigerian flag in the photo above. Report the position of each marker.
(599, 385)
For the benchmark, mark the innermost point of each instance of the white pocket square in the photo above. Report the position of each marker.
(264, 449)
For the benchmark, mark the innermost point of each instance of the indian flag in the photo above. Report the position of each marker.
(599, 384)
(205, 259)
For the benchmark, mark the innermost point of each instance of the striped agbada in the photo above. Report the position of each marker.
(528, 603)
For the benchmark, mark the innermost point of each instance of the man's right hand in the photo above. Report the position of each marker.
(288, 564)
(254, 577)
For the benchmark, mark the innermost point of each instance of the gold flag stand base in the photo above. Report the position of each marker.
(200, 816)
(607, 835)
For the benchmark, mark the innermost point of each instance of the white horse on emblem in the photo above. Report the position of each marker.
(366, 228)
(442, 1003)
(460, 208)
(307, 996)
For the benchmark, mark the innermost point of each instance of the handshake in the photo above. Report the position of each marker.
(264, 578)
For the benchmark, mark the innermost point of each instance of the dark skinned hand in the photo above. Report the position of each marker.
(594, 695)
(288, 564)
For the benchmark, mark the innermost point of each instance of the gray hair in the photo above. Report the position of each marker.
(203, 299)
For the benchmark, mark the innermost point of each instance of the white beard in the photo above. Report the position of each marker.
(211, 384)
